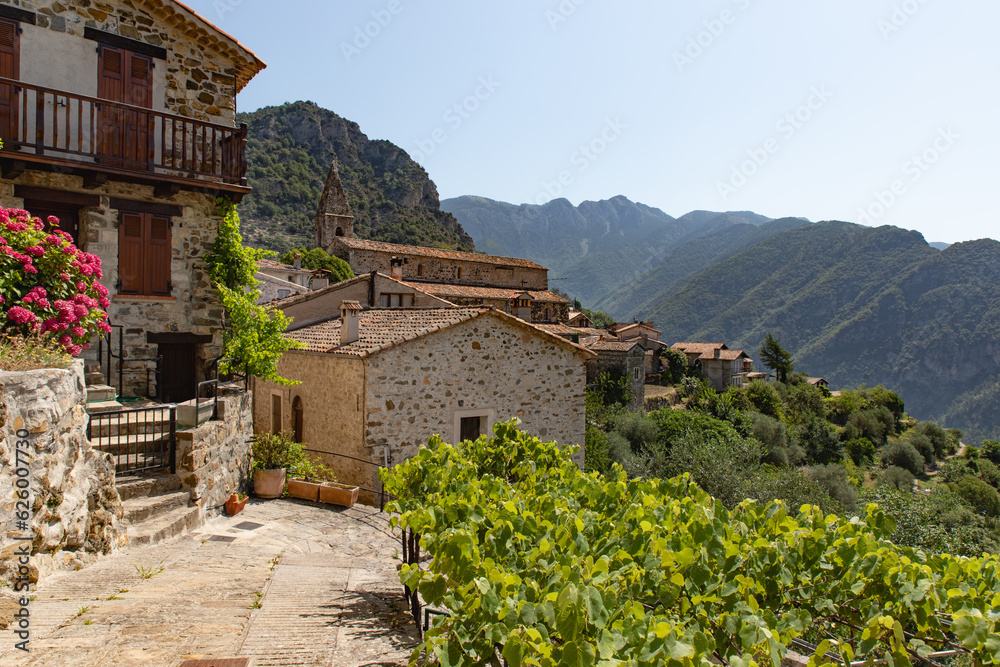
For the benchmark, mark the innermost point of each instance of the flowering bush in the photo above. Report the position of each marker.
(48, 287)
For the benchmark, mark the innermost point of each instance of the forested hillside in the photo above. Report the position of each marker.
(289, 151)
(592, 248)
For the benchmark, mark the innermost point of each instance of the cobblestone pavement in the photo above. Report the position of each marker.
(286, 583)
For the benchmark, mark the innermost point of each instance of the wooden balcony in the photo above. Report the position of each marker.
(43, 128)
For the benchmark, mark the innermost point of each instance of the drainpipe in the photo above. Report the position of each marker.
(371, 289)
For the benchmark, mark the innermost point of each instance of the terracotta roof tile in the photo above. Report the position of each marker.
(381, 329)
(274, 265)
(698, 348)
(395, 249)
(612, 346)
(445, 291)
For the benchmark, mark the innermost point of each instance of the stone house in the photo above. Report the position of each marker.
(722, 367)
(377, 384)
(280, 281)
(578, 319)
(628, 357)
(118, 118)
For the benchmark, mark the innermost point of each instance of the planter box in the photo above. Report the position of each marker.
(269, 483)
(192, 414)
(300, 488)
(338, 494)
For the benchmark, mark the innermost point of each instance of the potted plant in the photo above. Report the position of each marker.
(305, 477)
(236, 503)
(273, 454)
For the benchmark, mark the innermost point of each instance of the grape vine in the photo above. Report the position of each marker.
(540, 564)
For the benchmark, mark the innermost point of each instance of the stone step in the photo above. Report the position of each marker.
(139, 486)
(131, 444)
(104, 406)
(142, 509)
(100, 393)
(132, 424)
(95, 377)
(175, 522)
(151, 462)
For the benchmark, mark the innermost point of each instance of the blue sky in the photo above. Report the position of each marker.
(872, 111)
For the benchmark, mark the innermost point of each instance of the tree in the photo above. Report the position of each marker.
(776, 357)
(675, 365)
(317, 258)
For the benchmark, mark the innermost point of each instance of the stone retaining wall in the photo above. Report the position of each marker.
(213, 460)
(76, 510)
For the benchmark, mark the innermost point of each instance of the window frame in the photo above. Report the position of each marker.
(487, 415)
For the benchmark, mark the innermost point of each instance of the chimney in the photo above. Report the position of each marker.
(718, 353)
(350, 313)
(396, 270)
(298, 260)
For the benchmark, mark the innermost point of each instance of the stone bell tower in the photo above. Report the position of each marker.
(334, 217)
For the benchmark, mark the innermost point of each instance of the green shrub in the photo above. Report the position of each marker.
(938, 437)
(983, 497)
(953, 470)
(641, 431)
(820, 441)
(988, 472)
(902, 454)
(922, 444)
(772, 434)
(861, 450)
(614, 387)
(897, 478)
(317, 258)
(765, 399)
(596, 455)
(875, 424)
(989, 450)
(834, 479)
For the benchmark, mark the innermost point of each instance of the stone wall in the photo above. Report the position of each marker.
(213, 460)
(437, 270)
(76, 510)
(193, 306)
(631, 363)
(197, 81)
(488, 366)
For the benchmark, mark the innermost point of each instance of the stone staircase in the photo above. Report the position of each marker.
(156, 508)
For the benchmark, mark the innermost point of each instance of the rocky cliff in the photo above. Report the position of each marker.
(289, 151)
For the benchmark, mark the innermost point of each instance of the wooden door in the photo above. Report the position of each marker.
(68, 215)
(123, 134)
(178, 377)
(10, 69)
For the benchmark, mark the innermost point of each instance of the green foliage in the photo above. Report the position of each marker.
(675, 365)
(614, 388)
(897, 478)
(600, 320)
(771, 433)
(821, 442)
(861, 450)
(540, 564)
(776, 357)
(941, 443)
(873, 423)
(765, 399)
(983, 497)
(990, 449)
(280, 450)
(988, 472)
(29, 353)
(902, 454)
(255, 337)
(596, 456)
(317, 258)
(953, 470)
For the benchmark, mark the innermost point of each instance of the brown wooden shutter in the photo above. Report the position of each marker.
(9, 68)
(130, 244)
(110, 86)
(140, 81)
(158, 257)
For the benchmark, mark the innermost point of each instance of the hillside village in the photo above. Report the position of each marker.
(331, 470)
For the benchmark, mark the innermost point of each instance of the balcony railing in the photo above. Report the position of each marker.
(40, 124)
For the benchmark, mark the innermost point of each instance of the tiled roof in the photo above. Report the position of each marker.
(395, 249)
(726, 355)
(559, 329)
(698, 348)
(590, 331)
(618, 329)
(445, 291)
(383, 328)
(612, 346)
(274, 265)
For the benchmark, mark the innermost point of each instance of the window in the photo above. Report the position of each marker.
(471, 428)
(143, 254)
(459, 273)
(396, 300)
(298, 418)
(275, 413)
(127, 77)
(420, 270)
(470, 424)
(10, 68)
(636, 373)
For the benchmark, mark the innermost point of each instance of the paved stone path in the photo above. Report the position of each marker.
(285, 582)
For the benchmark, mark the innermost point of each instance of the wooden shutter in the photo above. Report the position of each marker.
(140, 80)
(138, 91)
(110, 86)
(130, 244)
(158, 257)
(10, 69)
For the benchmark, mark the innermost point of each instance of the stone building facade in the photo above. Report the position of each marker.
(413, 374)
(139, 191)
(627, 357)
(722, 367)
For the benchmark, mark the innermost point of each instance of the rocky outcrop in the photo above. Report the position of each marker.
(76, 512)
(289, 152)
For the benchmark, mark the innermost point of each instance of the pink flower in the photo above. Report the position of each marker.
(87, 270)
(3, 241)
(78, 331)
(63, 234)
(2, 300)
(38, 292)
(104, 326)
(101, 289)
(21, 214)
(51, 324)
(43, 303)
(65, 276)
(52, 239)
(74, 350)
(16, 227)
(81, 312)
(52, 220)
(21, 315)
(28, 268)
(65, 341)
(81, 287)
(104, 302)
(35, 250)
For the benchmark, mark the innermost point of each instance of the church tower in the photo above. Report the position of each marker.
(334, 217)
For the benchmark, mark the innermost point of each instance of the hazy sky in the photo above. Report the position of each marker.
(872, 111)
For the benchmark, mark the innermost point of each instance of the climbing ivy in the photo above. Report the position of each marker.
(540, 564)
(255, 335)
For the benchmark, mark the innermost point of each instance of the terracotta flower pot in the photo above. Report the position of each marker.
(300, 488)
(338, 494)
(234, 505)
(269, 483)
